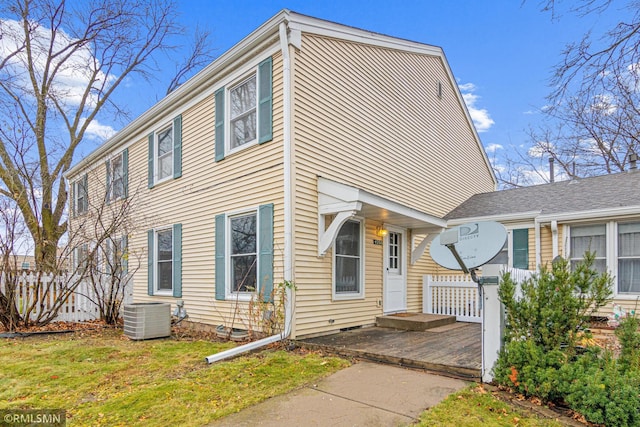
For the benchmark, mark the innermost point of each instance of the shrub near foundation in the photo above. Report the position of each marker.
(542, 357)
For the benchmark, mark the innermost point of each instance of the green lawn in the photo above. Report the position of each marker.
(103, 378)
(106, 379)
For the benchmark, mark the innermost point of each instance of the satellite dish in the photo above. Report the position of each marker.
(476, 243)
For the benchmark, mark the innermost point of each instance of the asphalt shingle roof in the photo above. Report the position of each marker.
(606, 191)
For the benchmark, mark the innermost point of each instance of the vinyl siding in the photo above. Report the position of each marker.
(370, 117)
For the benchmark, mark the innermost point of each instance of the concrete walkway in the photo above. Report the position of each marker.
(364, 394)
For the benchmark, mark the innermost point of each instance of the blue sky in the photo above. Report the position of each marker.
(501, 52)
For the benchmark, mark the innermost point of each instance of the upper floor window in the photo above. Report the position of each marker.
(348, 260)
(165, 153)
(80, 196)
(244, 111)
(117, 173)
(243, 107)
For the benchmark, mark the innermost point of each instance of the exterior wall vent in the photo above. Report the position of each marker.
(146, 320)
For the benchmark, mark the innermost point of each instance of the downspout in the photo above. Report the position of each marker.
(288, 223)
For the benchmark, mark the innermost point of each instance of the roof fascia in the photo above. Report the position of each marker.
(520, 216)
(590, 214)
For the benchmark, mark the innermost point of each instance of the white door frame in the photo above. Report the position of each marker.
(399, 276)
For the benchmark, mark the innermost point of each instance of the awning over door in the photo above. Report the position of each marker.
(342, 202)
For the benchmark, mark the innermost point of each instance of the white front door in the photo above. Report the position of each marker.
(395, 271)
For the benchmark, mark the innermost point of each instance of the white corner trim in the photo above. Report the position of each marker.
(554, 239)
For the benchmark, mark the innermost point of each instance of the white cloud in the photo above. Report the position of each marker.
(98, 131)
(72, 76)
(480, 116)
(492, 148)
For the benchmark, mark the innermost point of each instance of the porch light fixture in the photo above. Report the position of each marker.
(381, 232)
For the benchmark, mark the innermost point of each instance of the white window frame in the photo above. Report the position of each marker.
(342, 296)
(112, 177)
(110, 252)
(77, 259)
(611, 227)
(156, 260)
(229, 293)
(77, 185)
(253, 74)
(616, 259)
(156, 158)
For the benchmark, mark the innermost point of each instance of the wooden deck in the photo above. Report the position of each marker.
(453, 350)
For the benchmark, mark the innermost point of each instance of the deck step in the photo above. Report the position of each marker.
(414, 321)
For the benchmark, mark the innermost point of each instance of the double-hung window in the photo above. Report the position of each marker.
(589, 238)
(117, 176)
(244, 111)
(348, 260)
(165, 153)
(116, 255)
(165, 261)
(629, 258)
(81, 258)
(244, 254)
(243, 259)
(80, 196)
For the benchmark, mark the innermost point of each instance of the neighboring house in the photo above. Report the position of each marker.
(600, 214)
(310, 152)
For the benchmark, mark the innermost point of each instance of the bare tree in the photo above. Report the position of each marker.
(60, 64)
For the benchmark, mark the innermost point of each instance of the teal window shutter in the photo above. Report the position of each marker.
(125, 255)
(265, 101)
(521, 248)
(72, 193)
(220, 258)
(265, 242)
(177, 147)
(177, 260)
(150, 171)
(219, 124)
(125, 170)
(150, 264)
(108, 168)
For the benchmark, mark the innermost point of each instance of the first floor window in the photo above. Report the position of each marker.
(629, 258)
(589, 238)
(348, 259)
(26, 265)
(116, 255)
(243, 253)
(80, 257)
(164, 260)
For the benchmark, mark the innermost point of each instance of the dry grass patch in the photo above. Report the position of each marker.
(103, 378)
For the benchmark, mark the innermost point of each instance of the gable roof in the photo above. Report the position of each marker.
(600, 193)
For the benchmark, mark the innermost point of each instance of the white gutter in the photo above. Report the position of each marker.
(288, 214)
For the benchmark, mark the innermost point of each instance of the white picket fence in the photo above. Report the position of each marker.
(457, 295)
(79, 306)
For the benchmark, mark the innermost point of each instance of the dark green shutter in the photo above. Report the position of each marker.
(521, 248)
(265, 101)
(108, 167)
(150, 161)
(150, 252)
(125, 172)
(177, 147)
(219, 124)
(220, 259)
(177, 260)
(265, 242)
(125, 255)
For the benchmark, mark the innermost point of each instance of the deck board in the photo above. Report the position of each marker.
(454, 351)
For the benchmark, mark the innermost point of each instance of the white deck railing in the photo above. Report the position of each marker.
(457, 295)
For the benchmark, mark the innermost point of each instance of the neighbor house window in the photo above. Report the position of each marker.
(348, 260)
(243, 107)
(26, 265)
(164, 260)
(243, 259)
(589, 238)
(80, 196)
(117, 176)
(629, 258)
